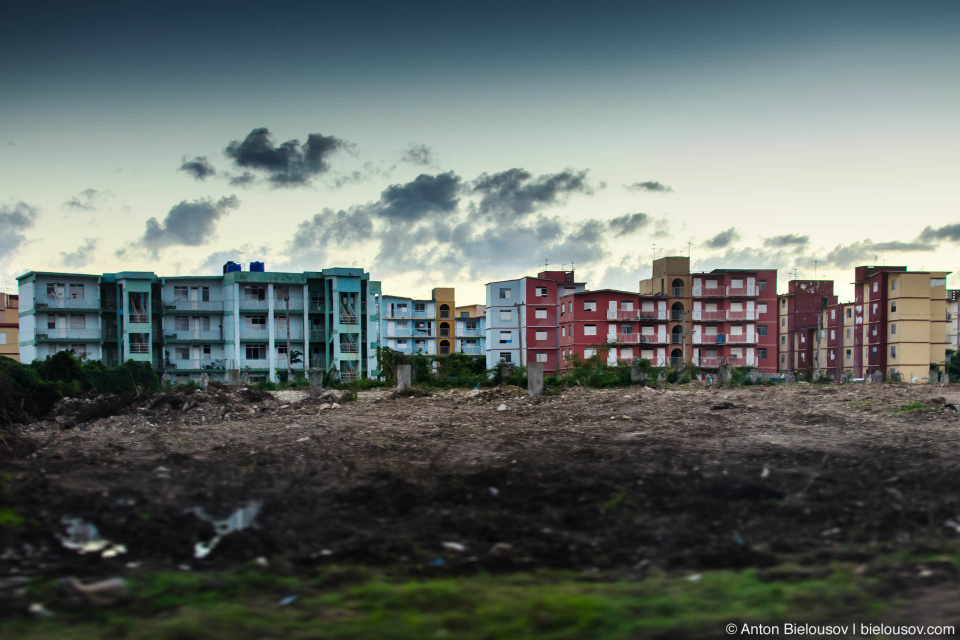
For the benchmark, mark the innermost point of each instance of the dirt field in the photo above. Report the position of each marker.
(620, 484)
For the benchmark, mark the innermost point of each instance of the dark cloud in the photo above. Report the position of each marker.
(82, 256)
(649, 186)
(189, 223)
(865, 251)
(789, 240)
(420, 198)
(200, 168)
(287, 165)
(629, 223)
(419, 154)
(245, 179)
(516, 192)
(341, 227)
(14, 221)
(723, 239)
(949, 232)
(88, 200)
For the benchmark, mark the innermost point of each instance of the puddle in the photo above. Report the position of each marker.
(84, 537)
(242, 518)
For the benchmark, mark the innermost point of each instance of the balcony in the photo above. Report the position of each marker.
(195, 364)
(348, 375)
(743, 338)
(637, 338)
(249, 333)
(254, 305)
(677, 292)
(59, 302)
(193, 305)
(317, 307)
(318, 335)
(295, 332)
(213, 335)
(717, 338)
(349, 347)
(68, 334)
(742, 292)
(288, 304)
(636, 314)
(471, 349)
(708, 292)
(741, 315)
(349, 318)
(713, 363)
(709, 316)
(469, 333)
(139, 318)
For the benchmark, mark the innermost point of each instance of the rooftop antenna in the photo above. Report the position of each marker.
(654, 250)
(795, 274)
(689, 246)
(546, 263)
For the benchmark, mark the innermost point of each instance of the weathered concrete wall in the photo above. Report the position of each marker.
(404, 377)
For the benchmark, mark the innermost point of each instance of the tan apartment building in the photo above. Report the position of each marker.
(10, 326)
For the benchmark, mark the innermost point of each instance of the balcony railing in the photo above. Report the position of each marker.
(317, 307)
(714, 362)
(253, 333)
(469, 333)
(196, 364)
(317, 335)
(744, 314)
(471, 349)
(193, 334)
(296, 333)
(349, 347)
(743, 338)
(254, 305)
(743, 292)
(348, 375)
(288, 304)
(193, 305)
(58, 302)
(636, 314)
(139, 318)
(139, 347)
(68, 334)
(709, 339)
(676, 338)
(349, 318)
(637, 338)
(709, 316)
(677, 292)
(708, 292)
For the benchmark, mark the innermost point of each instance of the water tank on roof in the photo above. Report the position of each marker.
(231, 266)
(256, 266)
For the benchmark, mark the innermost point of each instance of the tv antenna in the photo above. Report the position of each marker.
(546, 263)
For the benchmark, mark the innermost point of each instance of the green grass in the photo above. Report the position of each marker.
(10, 519)
(542, 606)
(918, 405)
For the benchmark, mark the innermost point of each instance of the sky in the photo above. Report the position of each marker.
(457, 143)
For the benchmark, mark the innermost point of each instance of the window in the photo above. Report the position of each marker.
(540, 314)
(420, 306)
(626, 329)
(402, 307)
(54, 289)
(833, 334)
(783, 303)
(938, 282)
(401, 344)
(783, 359)
(849, 334)
(893, 284)
(589, 353)
(833, 356)
(282, 349)
(876, 307)
(401, 324)
(736, 283)
(207, 351)
(203, 293)
(849, 353)
(77, 322)
(541, 335)
(76, 291)
(464, 314)
(589, 329)
(783, 322)
(893, 329)
(876, 285)
(420, 326)
(181, 323)
(254, 294)
(256, 322)
(541, 292)
(849, 312)
(205, 323)
(470, 341)
(762, 306)
(51, 322)
(589, 305)
(893, 351)
(893, 307)
(182, 353)
(541, 356)
(762, 330)
(762, 284)
(570, 306)
(505, 337)
(626, 305)
(626, 354)
(783, 339)
(505, 315)
(256, 352)
(420, 344)
(471, 325)
(873, 351)
(873, 330)
(504, 295)
(181, 293)
(762, 353)
(833, 314)
(506, 356)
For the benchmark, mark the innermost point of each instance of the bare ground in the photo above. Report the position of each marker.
(620, 483)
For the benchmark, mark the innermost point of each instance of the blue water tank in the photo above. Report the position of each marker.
(231, 266)
(256, 266)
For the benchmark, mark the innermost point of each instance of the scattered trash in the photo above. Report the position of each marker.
(39, 610)
(288, 600)
(500, 549)
(502, 407)
(261, 562)
(454, 546)
(925, 573)
(695, 577)
(953, 524)
(493, 491)
(184, 567)
(303, 439)
(242, 518)
(438, 562)
(830, 532)
(726, 404)
(84, 537)
(161, 471)
(765, 473)
(101, 593)
(326, 552)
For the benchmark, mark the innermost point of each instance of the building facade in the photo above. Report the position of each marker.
(257, 322)
(471, 334)
(801, 328)
(522, 318)
(10, 326)
(618, 326)
(416, 326)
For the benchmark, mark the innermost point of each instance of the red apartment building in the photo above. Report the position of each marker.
(800, 313)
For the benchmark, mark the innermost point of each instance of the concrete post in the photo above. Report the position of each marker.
(404, 377)
(204, 379)
(316, 382)
(535, 379)
(233, 376)
(504, 373)
(723, 373)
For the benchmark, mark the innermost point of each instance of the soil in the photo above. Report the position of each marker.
(618, 482)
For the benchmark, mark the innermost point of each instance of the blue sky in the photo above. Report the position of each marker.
(457, 143)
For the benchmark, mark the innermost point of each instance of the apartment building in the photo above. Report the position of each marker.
(836, 344)
(726, 316)
(619, 326)
(471, 324)
(953, 320)
(254, 321)
(522, 318)
(9, 326)
(801, 328)
(425, 326)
